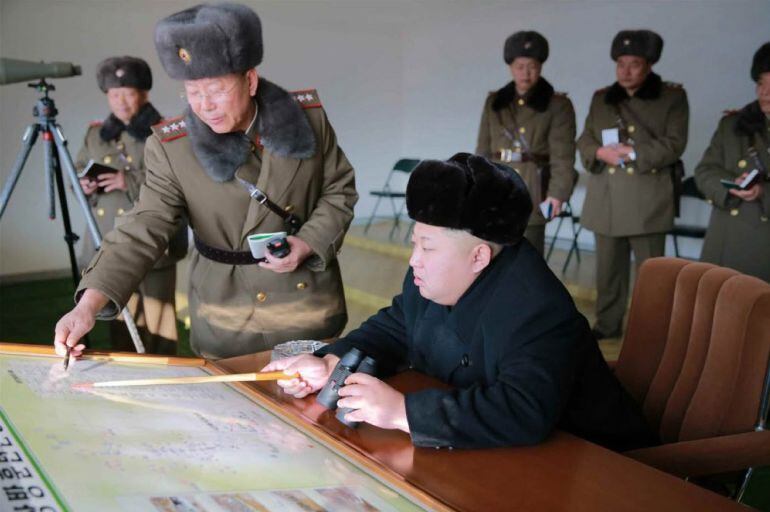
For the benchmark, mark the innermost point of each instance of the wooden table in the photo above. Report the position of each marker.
(564, 473)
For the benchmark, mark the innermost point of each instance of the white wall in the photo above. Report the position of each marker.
(397, 78)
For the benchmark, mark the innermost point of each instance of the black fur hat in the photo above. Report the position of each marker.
(123, 72)
(471, 193)
(526, 43)
(642, 43)
(761, 62)
(209, 40)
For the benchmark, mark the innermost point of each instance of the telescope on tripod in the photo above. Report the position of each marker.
(57, 156)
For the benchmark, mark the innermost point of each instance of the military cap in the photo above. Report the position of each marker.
(526, 43)
(123, 72)
(470, 193)
(209, 40)
(641, 43)
(761, 62)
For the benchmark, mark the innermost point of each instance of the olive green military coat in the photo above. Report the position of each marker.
(738, 234)
(545, 120)
(240, 309)
(637, 199)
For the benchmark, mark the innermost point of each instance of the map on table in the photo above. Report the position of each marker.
(184, 448)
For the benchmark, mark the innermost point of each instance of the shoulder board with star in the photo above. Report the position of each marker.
(602, 90)
(561, 94)
(95, 123)
(673, 85)
(307, 98)
(730, 112)
(171, 129)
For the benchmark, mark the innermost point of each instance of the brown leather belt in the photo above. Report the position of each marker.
(223, 255)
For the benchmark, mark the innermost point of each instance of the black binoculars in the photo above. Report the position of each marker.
(353, 361)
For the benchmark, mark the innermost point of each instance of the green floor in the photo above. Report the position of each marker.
(29, 311)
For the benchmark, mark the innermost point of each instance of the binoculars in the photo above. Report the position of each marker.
(353, 361)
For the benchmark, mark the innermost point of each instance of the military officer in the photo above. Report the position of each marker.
(738, 235)
(238, 126)
(634, 135)
(118, 143)
(531, 128)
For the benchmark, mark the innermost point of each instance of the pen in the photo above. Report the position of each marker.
(67, 358)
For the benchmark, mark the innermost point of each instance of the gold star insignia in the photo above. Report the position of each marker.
(185, 55)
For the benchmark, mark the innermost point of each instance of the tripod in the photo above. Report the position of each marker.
(56, 154)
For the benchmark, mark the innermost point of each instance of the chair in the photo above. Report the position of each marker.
(695, 355)
(567, 213)
(689, 189)
(404, 167)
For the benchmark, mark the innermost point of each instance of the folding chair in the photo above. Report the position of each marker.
(566, 213)
(689, 189)
(404, 166)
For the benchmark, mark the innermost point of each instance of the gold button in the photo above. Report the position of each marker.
(522, 130)
(129, 159)
(127, 168)
(763, 218)
(734, 212)
(742, 164)
(520, 102)
(253, 148)
(654, 171)
(630, 170)
(121, 211)
(631, 129)
(611, 170)
(100, 212)
(121, 146)
(107, 159)
(301, 286)
(709, 201)
(261, 296)
(289, 208)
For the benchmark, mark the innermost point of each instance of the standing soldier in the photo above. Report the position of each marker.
(738, 235)
(635, 133)
(239, 129)
(531, 128)
(118, 143)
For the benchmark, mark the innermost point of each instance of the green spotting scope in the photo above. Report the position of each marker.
(16, 70)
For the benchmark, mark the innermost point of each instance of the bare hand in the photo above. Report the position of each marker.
(612, 155)
(300, 251)
(313, 373)
(88, 186)
(77, 323)
(555, 206)
(374, 402)
(751, 193)
(113, 181)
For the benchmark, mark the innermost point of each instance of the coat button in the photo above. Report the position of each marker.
(289, 208)
(253, 148)
(261, 296)
(520, 102)
(709, 201)
(129, 159)
(630, 170)
(654, 171)
(100, 212)
(465, 361)
(763, 218)
(127, 168)
(611, 170)
(742, 164)
(522, 130)
(121, 211)
(734, 212)
(631, 129)
(107, 159)
(121, 146)
(301, 286)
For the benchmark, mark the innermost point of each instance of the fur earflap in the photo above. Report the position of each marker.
(750, 120)
(536, 98)
(470, 193)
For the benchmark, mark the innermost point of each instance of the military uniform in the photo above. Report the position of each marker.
(631, 207)
(291, 154)
(534, 134)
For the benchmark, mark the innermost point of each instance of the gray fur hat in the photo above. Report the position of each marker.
(761, 62)
(641, 43)
(526, 43)
(123, 72)
(209, 40)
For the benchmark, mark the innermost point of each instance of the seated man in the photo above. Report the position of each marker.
(481, 311)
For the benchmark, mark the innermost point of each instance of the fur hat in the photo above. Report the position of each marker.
(471, 193)
(123, 72)
(209, 40)
(642, 43)
(526, 43)
(761, 62)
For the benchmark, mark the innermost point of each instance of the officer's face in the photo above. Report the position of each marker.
(125, 102)
(763, 92)
(446, 262)
(631, 71)
(525, 72)
(225, 102)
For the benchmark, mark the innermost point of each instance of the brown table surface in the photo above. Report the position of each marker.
(564, 473)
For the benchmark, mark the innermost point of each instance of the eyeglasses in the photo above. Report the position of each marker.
(216, 93)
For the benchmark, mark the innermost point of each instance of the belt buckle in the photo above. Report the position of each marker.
(259, 196)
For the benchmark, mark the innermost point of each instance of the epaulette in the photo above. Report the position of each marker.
(730, 111)
(673, 85)
(603, 90)
(171, 129)
(95, 123)
(559, 93)
(307, 98)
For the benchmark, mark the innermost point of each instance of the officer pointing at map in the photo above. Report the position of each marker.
(238, 129)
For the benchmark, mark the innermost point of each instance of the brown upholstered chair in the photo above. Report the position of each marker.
(696, 355)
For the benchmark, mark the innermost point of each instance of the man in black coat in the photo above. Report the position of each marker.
(481, 311)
